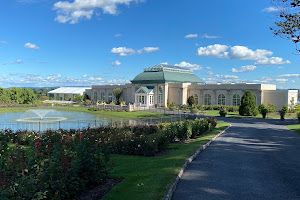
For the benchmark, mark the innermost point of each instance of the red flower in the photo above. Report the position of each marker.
(70, 138)
(38, 144)
(81, 136)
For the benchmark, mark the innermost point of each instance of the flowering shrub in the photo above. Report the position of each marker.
(61, 164)
(51, 167)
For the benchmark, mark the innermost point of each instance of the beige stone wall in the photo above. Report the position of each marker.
(280, 97)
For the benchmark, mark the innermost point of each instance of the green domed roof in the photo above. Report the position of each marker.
(166, 74)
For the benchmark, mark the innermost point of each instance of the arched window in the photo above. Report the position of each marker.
(110, 97)
(95, 95)
(236, 100)
(196, 98)
(207, 99)
(102, 96)
(221, 99)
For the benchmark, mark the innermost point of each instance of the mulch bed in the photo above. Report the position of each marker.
(99, 191)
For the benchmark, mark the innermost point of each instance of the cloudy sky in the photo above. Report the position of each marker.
(89, 42)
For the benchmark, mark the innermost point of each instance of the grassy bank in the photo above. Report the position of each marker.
(295, 128)
(151, 177)
(237, 115)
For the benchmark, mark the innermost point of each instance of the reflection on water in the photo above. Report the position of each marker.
(40, 120)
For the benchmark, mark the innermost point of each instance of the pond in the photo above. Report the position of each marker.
(42, 119)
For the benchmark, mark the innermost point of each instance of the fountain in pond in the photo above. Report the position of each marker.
(41, 115)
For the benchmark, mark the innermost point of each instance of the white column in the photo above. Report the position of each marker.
(63, 97)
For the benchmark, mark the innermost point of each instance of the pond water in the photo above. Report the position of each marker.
(42, 119)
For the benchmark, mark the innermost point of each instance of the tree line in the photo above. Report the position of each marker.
(17, 95)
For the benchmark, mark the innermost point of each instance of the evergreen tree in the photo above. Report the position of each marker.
(118, 92)
(248, 105)
(191, 101)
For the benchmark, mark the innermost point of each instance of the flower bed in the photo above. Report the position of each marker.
(62, 164)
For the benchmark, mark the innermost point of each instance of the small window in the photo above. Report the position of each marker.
(236, 100)
(207, 99)
(160, 98)
(221, 99)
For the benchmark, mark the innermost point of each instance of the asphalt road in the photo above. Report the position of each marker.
(254, 159)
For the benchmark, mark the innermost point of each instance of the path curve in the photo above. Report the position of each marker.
(254, 159)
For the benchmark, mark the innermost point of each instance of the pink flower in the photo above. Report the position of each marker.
(38, 144)
(81, 136)
(70, 138)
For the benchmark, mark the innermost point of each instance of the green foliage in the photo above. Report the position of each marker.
(78, 98)
(17, 96)
(194, 110)
(263, 110)
(191, 101)
(271, 108)
(248, 106)
(287, 26)
(118, 92)
(285, 108)
(223, 112)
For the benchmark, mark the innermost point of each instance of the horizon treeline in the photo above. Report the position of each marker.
(17, 95)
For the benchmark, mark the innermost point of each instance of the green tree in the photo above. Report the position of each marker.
(285, 108)
(78, 98)
(271, 108)
(263, 110)
(118, 92)
(5, 95)
(191, 101)
(288, 24)
(248, 106)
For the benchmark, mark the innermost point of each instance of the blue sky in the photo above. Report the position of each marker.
(90, 42)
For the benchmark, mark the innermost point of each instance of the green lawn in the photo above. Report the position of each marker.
(295, 128)
(151, 177)
(236, 115)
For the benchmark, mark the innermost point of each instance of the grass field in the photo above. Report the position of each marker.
(151, 177)
(295, 128)
(236, 115)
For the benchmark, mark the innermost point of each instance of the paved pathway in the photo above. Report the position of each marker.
(255, 159)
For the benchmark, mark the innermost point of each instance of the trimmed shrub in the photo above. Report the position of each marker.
(263, 110)
(248, 106)
(191, 101)
(223, 112)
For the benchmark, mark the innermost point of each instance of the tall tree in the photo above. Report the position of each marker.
(288, 25)
(248, 105)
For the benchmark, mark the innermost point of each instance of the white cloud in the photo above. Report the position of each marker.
(19, 61)
(216, 50)
(84, 75)
(272, 9)
(31, 46)
(241, 53)
(230, 77)
(289, 75)
(3, 42)
(118, 35)
(164, 63)
(210, 36)
(124, 51)
(210, 73)
(272, 61)
(247, 68)
(281, 80)
(72, 12)
(54, 77)
(95, 79)
(191, 36)
(150, 49)
(116, 63)
(209, 68)
(189, 66)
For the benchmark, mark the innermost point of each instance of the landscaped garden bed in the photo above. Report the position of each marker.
(62, 164)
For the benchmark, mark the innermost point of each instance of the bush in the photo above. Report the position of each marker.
(223, 112)
(191, 101)
(263, 110)
(248, 106)
(271, 108)
(285, 108)
(194, 110)
(298, 116)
